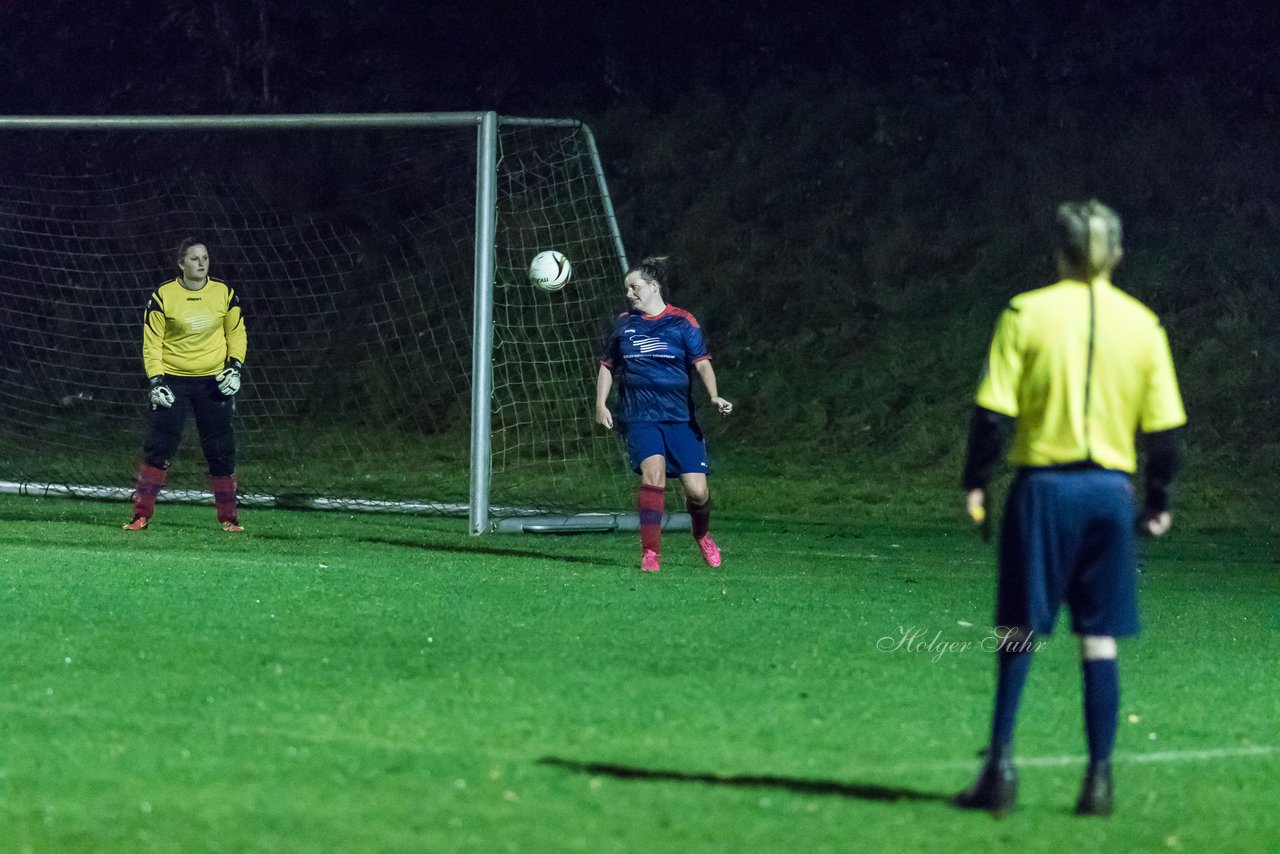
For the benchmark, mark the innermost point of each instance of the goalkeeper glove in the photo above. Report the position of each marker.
(229, 379)
(160, 395)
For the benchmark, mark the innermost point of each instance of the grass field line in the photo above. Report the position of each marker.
(369, 741)
(1160, 756)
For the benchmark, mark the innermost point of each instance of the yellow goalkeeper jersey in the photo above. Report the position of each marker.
(1082, 367)
(192, 333)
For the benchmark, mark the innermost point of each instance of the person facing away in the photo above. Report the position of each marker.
(193, 350)
(654, 351)
(1075, 370)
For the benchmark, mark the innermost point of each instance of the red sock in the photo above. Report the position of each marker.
(700, 516)
(150, 482)
(224, 496)
(649, 503)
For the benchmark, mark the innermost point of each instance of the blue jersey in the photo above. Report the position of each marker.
(653, 359)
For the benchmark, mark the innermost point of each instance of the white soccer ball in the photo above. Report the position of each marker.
(549, 270)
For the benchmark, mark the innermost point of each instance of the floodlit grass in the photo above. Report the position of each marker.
(335, 683)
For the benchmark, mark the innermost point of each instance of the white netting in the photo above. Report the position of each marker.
(353, 253)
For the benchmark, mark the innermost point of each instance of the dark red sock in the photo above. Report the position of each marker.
(700, 516)
(224, 496)
(649, 503)
(150, 482)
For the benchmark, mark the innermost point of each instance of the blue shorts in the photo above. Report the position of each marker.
(679, 442)
(1067, 536)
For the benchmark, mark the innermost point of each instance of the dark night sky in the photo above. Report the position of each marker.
(144, 56)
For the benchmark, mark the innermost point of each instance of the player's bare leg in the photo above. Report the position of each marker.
(649, 506)
(1101, 709)
(697, 500)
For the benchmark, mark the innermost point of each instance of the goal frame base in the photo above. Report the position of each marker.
(515, 521)
(584, 523)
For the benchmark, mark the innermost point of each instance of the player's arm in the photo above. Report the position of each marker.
(707, 374)
(988, 433)
(1162, 422)
(234, 328)
(695, 346)
(994, 416)
(1164, 455)
(153, 327)
(237, 345)
(159, 395)
(604, 382)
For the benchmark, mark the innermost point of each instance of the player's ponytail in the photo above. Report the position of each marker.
(1088, 239)
(656, 269)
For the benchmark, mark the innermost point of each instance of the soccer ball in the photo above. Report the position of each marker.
(549, 270)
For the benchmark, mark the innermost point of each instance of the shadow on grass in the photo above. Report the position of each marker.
(862, 791)
(482, 550)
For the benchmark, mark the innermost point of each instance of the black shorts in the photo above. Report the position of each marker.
(213, 413)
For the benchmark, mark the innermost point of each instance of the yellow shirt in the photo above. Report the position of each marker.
(192, 333)
(1082, 368)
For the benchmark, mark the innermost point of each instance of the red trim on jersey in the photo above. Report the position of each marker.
(678, 312)
(702, 359)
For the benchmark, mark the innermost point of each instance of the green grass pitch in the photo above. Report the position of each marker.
(376, 683)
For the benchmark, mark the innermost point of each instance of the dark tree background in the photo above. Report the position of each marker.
(78, 56)
(853, 189)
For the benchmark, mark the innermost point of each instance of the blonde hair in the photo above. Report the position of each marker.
(1088, 238)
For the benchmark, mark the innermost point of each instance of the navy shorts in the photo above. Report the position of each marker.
(680, 442)
(1068, 536)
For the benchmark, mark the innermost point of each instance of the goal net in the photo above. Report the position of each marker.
(365, 255)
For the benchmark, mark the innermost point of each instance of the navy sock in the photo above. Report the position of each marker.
(1011, 675)
(1101, 706)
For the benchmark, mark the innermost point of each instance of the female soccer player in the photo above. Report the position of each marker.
(654, 350)
(193, 347)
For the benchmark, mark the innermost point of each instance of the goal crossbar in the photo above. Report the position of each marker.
(300, 121)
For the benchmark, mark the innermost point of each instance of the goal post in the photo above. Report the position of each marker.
(399, 359)
(482, 323)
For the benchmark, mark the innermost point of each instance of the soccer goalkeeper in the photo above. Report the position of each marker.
(193, 349)
(1075, 370)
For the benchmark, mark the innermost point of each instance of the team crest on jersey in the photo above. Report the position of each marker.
(649, 344)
